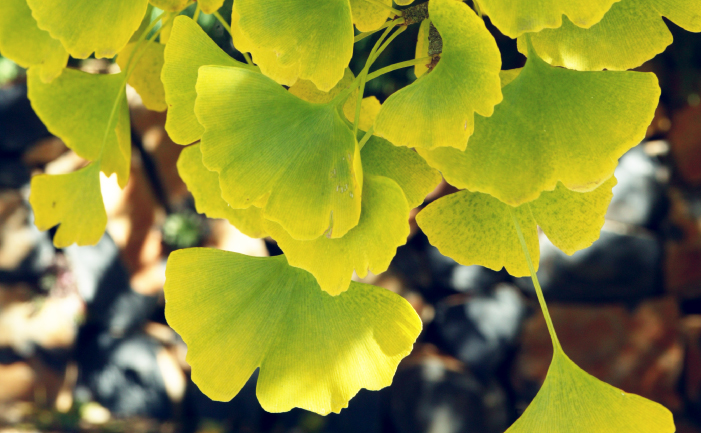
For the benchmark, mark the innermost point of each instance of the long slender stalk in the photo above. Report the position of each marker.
(394, 67)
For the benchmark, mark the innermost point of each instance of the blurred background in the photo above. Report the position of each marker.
(84, 345)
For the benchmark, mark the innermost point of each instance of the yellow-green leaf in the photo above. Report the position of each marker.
(515, 17)
(170, 5)
(367, 15)
(422, 47)
(146, 75)
(189, 48)
(630, 34)
(72, 200)
(291, 39)
(24, 43)
(573, 401)
(369, 246)
(86, 26)
(315, 351)
(404, 2)
(509, 75)
(204, 186)
(404, 166)
(210, 6)
(77, 107)
(555, 125)
(475, 228)
(438, 109)
(295, 159)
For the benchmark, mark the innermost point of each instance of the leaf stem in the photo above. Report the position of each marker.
(360, 36)
(196, 15)
(534, 277)
(223, 22)
(394, 67)
(366, 137)
(389, 8)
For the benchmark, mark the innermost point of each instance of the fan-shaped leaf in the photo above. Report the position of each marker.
(295, 159)
(146, 75)
(438, 109)
(555, 125)
(24, 43)
(631, 33)
(210, 6)
(370, 245)
(475, 228)
(290, 39)
(315, 351)
(422, 47)
(368, 16)
(82, 25)
(573, 401)
(515, 17)
(189, 48)
(72, 200)
(77, 106)
(204, 186)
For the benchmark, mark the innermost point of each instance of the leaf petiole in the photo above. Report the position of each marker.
(539, 291)
(226, 25)
(394, 67)
(366, 137)
(360, 36)
(196, 15)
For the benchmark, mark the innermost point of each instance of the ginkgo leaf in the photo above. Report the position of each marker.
(210, 6)
(204, 186)
(404, 2)
(170, 5)
(77, 108)
(81, 25)
(422, 47)
(189, 48)
(369, 246)
(573, 401)
(367, 15)
(369, 109)
(291, 39)
(438, 109)
(146, 75)
(315, 351)
(475, 228)
(630, 34)
(295, 159)
(24, 43)
(555, 125)
(72, 200)
(404, 166)
(515, 17)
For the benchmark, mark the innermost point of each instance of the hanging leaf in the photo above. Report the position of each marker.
(422, 47)
(77, 107)
(291, 39)
(204, 186)
(555, 125)
(438, 109)
(24, 43)
(295, 159)
(315, 351)
(367, 15)
(210, 6)
(369, 246)
(571, 400)
(516, 17)
(146, 76)
(477, 229)
(189, 48)
(72, 200)
(630, 34)
(86, 26)
(170, 5)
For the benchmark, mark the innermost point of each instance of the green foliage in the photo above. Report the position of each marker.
(330, 174)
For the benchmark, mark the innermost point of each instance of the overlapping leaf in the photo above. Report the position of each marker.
(210, 6)
(515, 17)
(631, 33)
(146, 74)
(189, 48)
(82, 25)
(295, 159)
(72, 200)
(170, 5)
(555, 125)
(315, 351)
(573, 401)
(204, 186)
(369, 16)
(77, 107)
(422, 43)
(438, 109)
(475, 228)
(291, 39)
(370, 245)
(24, 43)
